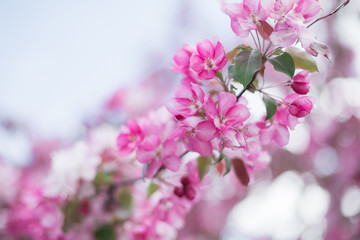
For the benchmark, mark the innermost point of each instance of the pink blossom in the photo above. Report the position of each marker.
(130, 138)
(282, 8)
(300, 84)
(274, 132)
(255, 157)
(300, 107)
(307, 9)
(35, 216)
(246, 132)
(157, 153)
(227, 113)
(189, 99)
(181, 61)
(283, 116)
(208, 59)
(246, 15)
(197, 135)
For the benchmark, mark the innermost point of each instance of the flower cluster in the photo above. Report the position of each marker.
(290, 18)
(140, 180)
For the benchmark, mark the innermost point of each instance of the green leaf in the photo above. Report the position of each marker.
(231, 71)
(277, 52)
(283, 63)
(153, 187)
(302, 59)
(271, 107)
(103, 178)
(247, 63)
(105, 232)
(241, 171)
(203, 166)
(72, 214)
(125, 199)
(219, 75)
(227, 165)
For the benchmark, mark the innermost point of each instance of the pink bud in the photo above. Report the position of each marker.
(178, 191)
(189, 192)
(300, 107)
(300, 84)
(185, 181)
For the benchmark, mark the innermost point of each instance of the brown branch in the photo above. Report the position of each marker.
(332, 13)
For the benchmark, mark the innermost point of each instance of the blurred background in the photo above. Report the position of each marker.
(61, 61)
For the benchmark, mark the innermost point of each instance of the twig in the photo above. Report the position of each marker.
(254, 39)
(332, 13)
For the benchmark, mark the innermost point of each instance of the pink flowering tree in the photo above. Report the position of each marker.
(142, 179)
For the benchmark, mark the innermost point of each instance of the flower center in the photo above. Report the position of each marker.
(209, 63)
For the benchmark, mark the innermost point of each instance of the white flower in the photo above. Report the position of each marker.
(68, 167)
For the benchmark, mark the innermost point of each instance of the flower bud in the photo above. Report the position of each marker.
(300, 107)
(178, 191)
(300, 84)
(185, 181)
(189, 192)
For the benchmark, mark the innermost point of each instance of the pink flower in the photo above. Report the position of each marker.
(255, 157)
(130, 138)
(181, 61)
(300, 107)
(228, 113)
(157, 153)
(226, 116)
(281, 8)
(197, 135)
(283, 116)
(189, 99)
(208, 60)
(245, 132)
(300, 84)
(307, 9)
(246, 15)
(275, 132)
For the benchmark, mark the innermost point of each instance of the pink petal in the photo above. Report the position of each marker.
(241, 139)
(238, 112)
(197, 63)
(238, 29)
(219, 54)
(210, 108)
(205, 49)
(253, 5)
(172, 163)
(199, 93)
(203, 148)
(176, 108)
(150, 143)
(207, 74)
(125, 146)
(152, 168)
(221, 64)
(266, 136)
(134, 127)
(169, 148)
(183, 92)
(226, 101)
(283, 38)
(205, 131)
(281, 135)
(231, 9)
(145, 156)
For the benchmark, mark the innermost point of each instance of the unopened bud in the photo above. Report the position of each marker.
(300, 107)
(300, 84)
